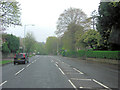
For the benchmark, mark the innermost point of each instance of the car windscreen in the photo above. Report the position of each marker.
(19, 56)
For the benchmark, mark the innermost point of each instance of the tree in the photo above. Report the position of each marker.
(9, 13)
(40, 48)
(94, 15)
(108, 24)
(70, 36)
(29, 42)
(91, 38)
(72, 16)
(12, 42)
(51, 45)
(5, 49)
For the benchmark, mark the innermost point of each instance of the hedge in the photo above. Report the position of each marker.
(94, 54)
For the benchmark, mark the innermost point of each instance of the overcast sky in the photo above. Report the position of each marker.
(44, 14)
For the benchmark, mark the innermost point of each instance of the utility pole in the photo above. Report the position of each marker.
(24, 33)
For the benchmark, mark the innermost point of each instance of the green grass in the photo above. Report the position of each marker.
(5, 61)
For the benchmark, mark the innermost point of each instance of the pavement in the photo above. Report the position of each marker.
(56, 72)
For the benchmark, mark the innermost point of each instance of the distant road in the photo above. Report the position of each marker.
(59, 72)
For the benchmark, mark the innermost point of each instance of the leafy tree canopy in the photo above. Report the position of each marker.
(109, 24)
(9, 13)
(51, 45)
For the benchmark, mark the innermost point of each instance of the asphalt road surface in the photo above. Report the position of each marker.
(59, 72)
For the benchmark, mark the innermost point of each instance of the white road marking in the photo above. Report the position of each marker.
(3, 83)
(81, 79)
(77, 70)
(28, 65)
(71, 73)
(72, 84)
(85, 87)
(56, 65)
(19, 71)
(62, 71)
(100, 83)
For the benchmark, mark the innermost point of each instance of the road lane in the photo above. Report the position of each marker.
(59, 72)
(101, 72)
(40, 74)
(9, 70)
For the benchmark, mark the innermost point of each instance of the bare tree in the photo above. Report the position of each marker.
(72, 16)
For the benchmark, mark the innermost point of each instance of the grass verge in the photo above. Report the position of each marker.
(5, 62)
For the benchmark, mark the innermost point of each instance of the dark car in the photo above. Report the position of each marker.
(21, 58)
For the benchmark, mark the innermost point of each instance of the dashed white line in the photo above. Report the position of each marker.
(56, 65)
(62, 71)
(77, 70)
(85, 87)
(72, 84)
(19, 71)
(3, 83)
(28, 65)
(100, 83)
(81, 79)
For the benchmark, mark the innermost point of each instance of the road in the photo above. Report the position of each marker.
(59, 72)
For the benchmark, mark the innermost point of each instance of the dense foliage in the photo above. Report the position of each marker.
(29, 42)
(51, 45)
(109, 25)
(10, 43)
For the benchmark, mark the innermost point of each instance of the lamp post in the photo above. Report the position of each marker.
(24, 32)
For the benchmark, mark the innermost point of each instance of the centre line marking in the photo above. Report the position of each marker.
(28, 65)
(62, 71)
(56, 65)
(81, 79)
(85, 87)
(3, 83)
(100, 83)
(72, 84)
(19, 71)
(77, 70)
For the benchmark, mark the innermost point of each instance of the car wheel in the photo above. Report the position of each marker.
(25, 62)
(14, 63)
